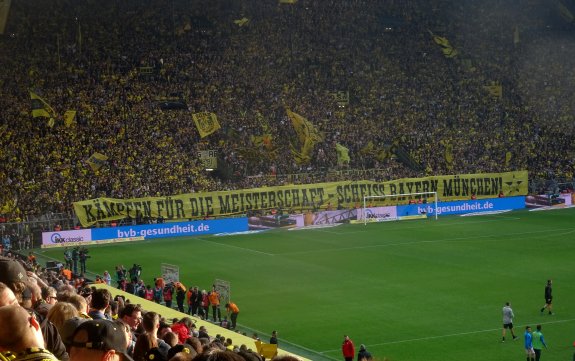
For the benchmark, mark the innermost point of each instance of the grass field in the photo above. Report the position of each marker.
(410, 291)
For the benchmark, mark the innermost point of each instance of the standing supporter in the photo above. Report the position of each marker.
(13, 275)
(149, 339)
(131, 315)
(98, 340)
(60, 313)
(99, 304)
(182, 329)
(20, 336)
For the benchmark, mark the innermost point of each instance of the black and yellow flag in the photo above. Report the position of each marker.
(96, 161)
(40, 108)
(448, 50)
(241, 22)
(342, 154)
(206, 123)
(69, 118)
(494, 89)
(308, 137)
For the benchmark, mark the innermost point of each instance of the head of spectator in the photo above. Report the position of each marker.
(219, 355)
(20, 330)
(60, 313)
(132, 315)
(81, 305)
(170, 338)
(99, 340)
(164, 329)
(7, 296)
(196, 344)
(182, 351)
(99, 303)
(13, 274)
(49, 295)
(65, 292)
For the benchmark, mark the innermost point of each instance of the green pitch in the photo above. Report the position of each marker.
(410, 291)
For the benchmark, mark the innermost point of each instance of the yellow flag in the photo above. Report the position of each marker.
(508, 156)
(206, 123)
(565, 12)
(96, 161)
(449, 154)
(288, 1)
(448, 50)
(342, 154)
(308, 137)
(40, 108)
(4, 11)
(241, 22)
(494, 89)
(69, 118)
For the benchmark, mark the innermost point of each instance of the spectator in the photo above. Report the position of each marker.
(21, 334)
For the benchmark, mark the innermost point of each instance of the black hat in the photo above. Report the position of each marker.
(12, 271)
(103, 335)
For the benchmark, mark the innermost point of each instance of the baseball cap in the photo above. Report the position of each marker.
(12, 271)
(102, 335)
(69, 327)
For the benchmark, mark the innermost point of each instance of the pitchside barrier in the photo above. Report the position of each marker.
(169, 314)
(136, 233)
(288, 221)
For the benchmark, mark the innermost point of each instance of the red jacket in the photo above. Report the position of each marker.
(182, 331)
(348, 349)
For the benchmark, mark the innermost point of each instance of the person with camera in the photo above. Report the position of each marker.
(75, 257)
(83, 255)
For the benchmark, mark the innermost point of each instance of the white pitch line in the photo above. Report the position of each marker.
(453, 335)
(236, 247)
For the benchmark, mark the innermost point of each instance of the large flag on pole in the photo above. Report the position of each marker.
(40, 108)
(307, 134)
(342, 154)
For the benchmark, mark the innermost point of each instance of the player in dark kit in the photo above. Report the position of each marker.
(548, 298)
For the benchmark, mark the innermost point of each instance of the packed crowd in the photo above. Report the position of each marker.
(46, 316)
(401, 88)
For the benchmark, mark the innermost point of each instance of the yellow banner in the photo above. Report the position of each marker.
(297, 197)
(207, 123)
